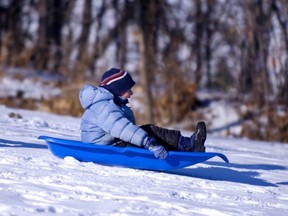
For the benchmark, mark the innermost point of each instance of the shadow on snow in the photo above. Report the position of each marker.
(231, 175)
(10, 143)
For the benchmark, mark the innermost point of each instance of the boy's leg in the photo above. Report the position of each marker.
(166, 137)
(172, 140)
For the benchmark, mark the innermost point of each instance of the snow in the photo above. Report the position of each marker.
(35, 182)
(10, 87)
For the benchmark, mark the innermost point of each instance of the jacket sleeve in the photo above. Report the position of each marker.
(112, 120)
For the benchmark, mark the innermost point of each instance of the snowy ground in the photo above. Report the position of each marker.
(34, 182)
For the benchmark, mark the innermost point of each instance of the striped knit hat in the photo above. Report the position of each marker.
(117, 81)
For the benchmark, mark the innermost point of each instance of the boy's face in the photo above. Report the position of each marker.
(127, 94)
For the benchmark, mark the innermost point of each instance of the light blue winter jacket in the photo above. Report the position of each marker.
(103, 120)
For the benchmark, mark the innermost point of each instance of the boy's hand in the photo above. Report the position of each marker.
(158, 150)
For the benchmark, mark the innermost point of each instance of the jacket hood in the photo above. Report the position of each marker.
(90, 95)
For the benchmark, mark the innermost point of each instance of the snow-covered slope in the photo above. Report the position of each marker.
(34, 182)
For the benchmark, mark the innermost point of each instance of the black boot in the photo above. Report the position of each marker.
(195, 143)
(200, 137)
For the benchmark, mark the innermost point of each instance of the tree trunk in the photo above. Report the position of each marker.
(148, 13)
(47, 55)
(41, 52)
(14, 38)
(199, 24)
(82, 59)
(283, 90)
(209, 32)
(121, 34)
(55, 24)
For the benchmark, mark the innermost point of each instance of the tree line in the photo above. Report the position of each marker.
(226, 45)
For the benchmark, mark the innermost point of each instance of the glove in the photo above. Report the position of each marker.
(158, 150)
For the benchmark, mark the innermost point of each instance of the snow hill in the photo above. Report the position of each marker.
(34, 182)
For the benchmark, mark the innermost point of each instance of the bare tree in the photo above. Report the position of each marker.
(12, 27)
(209, 32)
(49, 35)
(83, 41)
(281, 10)
(255, 76)
(121, 34)
(147, 19)
(199, 32)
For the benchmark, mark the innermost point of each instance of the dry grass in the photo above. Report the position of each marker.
(259, 124)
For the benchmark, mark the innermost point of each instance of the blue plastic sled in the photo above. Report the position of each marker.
(126, 157)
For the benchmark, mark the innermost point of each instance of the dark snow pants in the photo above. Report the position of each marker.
(167, 138)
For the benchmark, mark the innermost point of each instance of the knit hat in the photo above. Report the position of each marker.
(117, 81)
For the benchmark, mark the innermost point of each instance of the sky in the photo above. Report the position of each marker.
(35, 182)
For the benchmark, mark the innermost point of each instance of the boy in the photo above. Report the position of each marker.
(108, 120)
